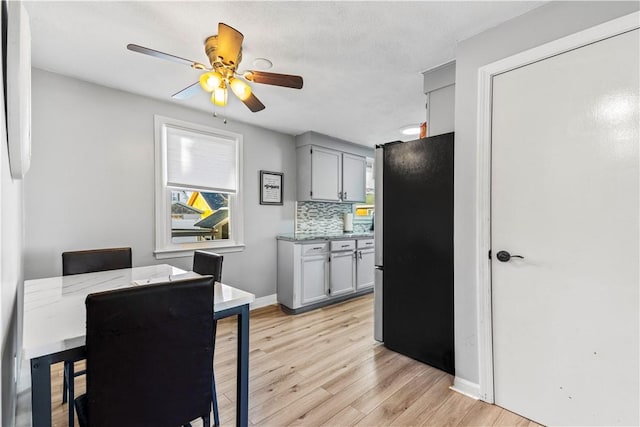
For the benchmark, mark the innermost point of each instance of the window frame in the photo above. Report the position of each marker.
(164, 248)
(370, 162)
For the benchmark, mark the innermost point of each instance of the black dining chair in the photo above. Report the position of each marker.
(210, 263)
(88, 261)
(149, 355)
(78, 262)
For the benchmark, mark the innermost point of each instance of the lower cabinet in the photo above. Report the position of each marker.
(311, 275)
(343, 273)
(313, 278)
(365, 269)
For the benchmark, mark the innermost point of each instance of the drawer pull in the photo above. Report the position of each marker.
(319, 247)
(345, 246)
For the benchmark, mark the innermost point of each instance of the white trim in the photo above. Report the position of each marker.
(163, 246)
(465, 387)
(264, 301)
(187, 252)
(483, 167)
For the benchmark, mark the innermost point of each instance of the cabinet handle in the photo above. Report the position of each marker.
(320, 247)
(345, 195)
(360, 253)
(345, 246)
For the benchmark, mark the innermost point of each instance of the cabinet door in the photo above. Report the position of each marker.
(326, 179)
(343, 271)
(366, 269)
(314, 278)
(354, 170)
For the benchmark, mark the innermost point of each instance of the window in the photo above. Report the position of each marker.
(364, 212)
(198, 188)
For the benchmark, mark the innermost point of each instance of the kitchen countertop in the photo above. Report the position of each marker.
(307, 237)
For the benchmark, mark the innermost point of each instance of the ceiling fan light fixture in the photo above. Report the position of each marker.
(240, 88)
(210, 81)
(219, 96)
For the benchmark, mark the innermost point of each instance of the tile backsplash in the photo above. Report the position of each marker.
(322, 217)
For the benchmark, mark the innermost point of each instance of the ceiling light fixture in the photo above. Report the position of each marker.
(219, 95)
(240, 89)
(410, 130)
(262, 63)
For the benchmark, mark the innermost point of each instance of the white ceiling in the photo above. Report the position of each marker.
(361, 61)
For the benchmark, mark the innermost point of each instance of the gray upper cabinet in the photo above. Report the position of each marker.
(330, 175)
(326, 176)
(354, 170)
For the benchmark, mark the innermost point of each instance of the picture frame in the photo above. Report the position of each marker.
(271, 184)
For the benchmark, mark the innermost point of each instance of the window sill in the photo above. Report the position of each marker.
(184, 252)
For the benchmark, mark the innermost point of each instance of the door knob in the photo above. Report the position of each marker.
(504, 256)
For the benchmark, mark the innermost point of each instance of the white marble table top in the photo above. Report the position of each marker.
(55, 314)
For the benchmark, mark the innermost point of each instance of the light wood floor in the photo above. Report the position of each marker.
(323, 368)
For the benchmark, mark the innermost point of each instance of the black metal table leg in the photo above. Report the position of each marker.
(41, 392)
(41, 383)
(242, 402)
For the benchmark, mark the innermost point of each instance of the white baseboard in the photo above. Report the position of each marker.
(263, 301)
(466, 387)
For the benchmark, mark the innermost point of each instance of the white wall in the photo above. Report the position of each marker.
(549, 22)
(10, 271)
(91, 182)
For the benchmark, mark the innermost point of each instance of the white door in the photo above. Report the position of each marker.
(326, 167)
(342, 273)
(565, 196)
(365, 270)
(354, 176)
(314, 278)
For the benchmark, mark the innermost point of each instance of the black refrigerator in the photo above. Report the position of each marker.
(417, 249)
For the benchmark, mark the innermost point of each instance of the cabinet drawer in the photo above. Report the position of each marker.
(314, 248)
(365, 243)
(343, 245)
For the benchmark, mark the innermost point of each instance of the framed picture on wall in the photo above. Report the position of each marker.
(271, 188)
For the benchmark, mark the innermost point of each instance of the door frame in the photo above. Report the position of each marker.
(483, 175)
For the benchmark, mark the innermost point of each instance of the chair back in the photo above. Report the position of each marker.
(208, 263)
(150, 354)
(78, 262)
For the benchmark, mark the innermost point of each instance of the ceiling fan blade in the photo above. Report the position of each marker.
(253, 103)
(284, 80)
(229, 44)
(162, 55)
(187, 92)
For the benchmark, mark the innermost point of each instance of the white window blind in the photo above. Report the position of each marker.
(201, 161)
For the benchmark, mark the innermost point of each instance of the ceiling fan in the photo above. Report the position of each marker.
(224, 51)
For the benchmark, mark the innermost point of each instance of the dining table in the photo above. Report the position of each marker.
(54, 326)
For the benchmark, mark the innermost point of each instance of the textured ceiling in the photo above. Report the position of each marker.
(361, 61)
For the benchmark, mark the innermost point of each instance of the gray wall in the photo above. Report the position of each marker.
(91, 183)
(544, 24)
(11, 272)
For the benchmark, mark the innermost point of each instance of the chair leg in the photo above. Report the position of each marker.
(71, 386)
(206, 421)
(65, 380)
(216, 415)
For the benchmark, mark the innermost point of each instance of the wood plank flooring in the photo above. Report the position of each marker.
(323, 368)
